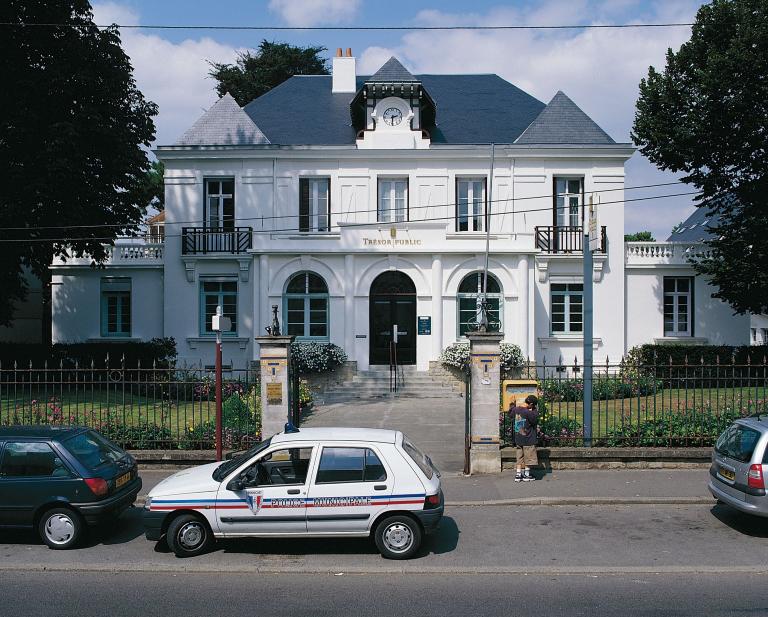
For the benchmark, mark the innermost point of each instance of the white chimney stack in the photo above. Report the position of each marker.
(343, 72)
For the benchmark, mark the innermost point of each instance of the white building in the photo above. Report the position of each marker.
(357, 203)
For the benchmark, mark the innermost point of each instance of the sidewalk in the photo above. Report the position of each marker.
(567, 487)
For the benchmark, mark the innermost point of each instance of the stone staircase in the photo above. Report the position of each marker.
(374, 383)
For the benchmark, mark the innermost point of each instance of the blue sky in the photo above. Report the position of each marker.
(599, 69)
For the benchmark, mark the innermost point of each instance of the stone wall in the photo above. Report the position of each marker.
(320, 382)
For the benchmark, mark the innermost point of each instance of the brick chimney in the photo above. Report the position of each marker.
(343, 72)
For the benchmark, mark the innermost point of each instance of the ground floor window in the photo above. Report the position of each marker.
(213, 293)
(115, 307)
(306, 306)
(567, 308)
(678, 305)
(469, 298)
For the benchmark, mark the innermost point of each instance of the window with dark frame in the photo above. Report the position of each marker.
(568, 200)
(220, 203)
(339, 464)
(469, 296)
(567, 312)
(213, 293)
(678, 305)
(306, 306)
(471, 204)
(116, 307)
(314, 204)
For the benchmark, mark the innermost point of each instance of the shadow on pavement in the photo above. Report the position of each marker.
(753, 526)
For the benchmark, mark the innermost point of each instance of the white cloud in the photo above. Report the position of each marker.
(305, 13)
(599, 69)
(173, 75)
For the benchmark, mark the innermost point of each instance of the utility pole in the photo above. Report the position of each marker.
(483, 323)
(219, 323)
(591, 235)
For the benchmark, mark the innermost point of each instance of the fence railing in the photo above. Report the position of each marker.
(673, 405)
(201, 240)
(564, 239)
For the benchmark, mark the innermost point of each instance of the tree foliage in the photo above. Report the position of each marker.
(253, 74)
(72, 128)
(706, 115)
(640, 236)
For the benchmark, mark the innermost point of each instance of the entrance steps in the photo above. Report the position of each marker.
(374, 383)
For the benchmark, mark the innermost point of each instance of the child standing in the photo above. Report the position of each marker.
(526, 419)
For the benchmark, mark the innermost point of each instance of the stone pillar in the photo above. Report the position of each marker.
(437, 306)
(524, 317)
(274, 362)
(484, 357)
(349, 305)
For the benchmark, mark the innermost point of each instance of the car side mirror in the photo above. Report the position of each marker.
(235, 485)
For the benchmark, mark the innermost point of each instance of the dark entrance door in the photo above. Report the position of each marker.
(393, 301)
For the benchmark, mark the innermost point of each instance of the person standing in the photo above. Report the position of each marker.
(526, 420)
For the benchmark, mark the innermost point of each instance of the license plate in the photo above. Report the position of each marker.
(122, 480)
(727, 474)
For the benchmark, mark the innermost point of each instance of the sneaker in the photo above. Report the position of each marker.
(518, 477)
(527, 477)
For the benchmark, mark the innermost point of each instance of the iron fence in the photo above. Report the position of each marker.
(137, 407)
(663, 404)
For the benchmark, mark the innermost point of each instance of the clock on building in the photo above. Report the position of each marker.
(392, 116)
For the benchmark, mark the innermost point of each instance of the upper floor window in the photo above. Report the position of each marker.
(471, 206)
(567, 308)
(314, 204)
(116, 307)
(306, 306)
(213, 293)
(220, 203)
(569, 197)
(678, 305)
(393, 200)
(469, 298)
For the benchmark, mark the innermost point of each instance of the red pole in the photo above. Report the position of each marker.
(218, 396)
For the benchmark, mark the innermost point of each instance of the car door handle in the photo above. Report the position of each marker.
(380, 487)
(293, 491)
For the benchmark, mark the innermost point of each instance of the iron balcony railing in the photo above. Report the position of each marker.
(564, 239)
(201, 240)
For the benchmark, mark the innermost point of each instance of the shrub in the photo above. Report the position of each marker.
(603, 388)
(316, 357)
(457, 356)
(552, 430)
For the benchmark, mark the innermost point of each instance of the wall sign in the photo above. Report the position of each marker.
(274, 393)
(425, 325)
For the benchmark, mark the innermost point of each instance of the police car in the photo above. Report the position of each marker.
(316, 482)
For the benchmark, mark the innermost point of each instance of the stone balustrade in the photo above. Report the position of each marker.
(132, 253)
(649, 254)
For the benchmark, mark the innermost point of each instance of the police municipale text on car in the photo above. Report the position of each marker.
(317, 482)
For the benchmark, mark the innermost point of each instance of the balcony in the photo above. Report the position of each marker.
(654, 254)
(564, 240)
(205, 240)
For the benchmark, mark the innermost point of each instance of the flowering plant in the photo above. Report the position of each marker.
(314, 357)
(457, 356)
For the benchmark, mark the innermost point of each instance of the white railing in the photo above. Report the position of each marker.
(136, 253)
(660, 253)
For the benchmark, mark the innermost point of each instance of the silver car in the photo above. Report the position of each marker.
(740, 466)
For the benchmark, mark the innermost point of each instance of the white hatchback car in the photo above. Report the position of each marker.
(316, 482)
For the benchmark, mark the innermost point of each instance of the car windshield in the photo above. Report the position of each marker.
(227, 466)
(421, 459)
(738, 442)
(93, 450)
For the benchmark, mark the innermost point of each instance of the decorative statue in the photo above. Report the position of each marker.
(274, 329)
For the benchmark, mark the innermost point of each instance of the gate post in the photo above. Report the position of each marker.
(274, 362)
(485, 374)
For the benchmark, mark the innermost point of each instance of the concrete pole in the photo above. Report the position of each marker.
(485, 367)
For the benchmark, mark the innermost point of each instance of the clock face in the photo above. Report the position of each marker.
(393, 116)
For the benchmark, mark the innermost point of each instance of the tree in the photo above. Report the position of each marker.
(254, 74)
(151, 190)
(640, 236)
(73, 133)
(706, 115)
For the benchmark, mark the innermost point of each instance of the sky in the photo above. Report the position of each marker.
(600, 69)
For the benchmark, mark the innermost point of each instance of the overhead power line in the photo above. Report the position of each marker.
(349, 28)
(63, 240)
(334, 212)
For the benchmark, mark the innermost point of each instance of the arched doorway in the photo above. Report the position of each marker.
(392, 302)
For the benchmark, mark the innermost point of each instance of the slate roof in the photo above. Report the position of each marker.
(392, 72)
(471, 109)
(224, 123)
(563, 122)
(698, 226)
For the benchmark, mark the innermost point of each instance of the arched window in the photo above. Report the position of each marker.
(469, 302)
(306, 306)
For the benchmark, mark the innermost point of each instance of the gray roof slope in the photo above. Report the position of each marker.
(471, 109)
(225, 123)
(563, 122)
(392, 71)
(698, 226)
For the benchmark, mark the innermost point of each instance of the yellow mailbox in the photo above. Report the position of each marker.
(514, 391)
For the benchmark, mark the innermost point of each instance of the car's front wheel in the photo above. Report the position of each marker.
(61, 528)
(398, 537)
(188, 536)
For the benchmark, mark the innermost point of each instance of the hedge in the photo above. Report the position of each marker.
(660, 355)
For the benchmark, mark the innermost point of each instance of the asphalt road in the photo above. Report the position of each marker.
(539, 540)
(168, 594)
